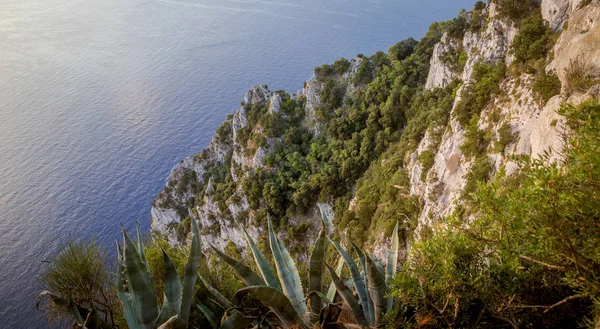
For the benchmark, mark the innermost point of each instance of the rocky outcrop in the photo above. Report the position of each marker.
(536, 130)
(441, 73)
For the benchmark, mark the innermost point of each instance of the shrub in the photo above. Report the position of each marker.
(402, 49)
(581, 76)
(341, 66)
(476, 140)
(505, 136)
(484, 85)
(516, 10)
(546, 85)
(427, 159)
(534, 40)
(78, 273)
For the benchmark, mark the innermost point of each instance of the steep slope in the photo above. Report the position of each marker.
(404, 136)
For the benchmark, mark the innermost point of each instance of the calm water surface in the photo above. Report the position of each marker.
(99, 99)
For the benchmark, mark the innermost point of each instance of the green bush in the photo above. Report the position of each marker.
(484, 85)
(534, 41)
(476, 140)
(516, 10)
(546, 85)
(341, 66)
(528, 255)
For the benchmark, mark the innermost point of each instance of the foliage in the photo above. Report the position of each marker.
(581, 75)
(76, 281)
(516, 10)
(137, 292)
(534, 41)
(527, 258)
(546, 85)
(484, 85)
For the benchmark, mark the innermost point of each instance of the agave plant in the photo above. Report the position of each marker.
(282, 292)
(137, 292)
(371, 284)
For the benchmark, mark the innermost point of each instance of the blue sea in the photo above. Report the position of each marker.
(100, 99)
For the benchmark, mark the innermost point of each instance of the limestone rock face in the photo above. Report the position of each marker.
(536, 130)
(440, 73)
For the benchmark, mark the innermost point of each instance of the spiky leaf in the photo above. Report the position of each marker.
(276, 302)
(361, 257)
(209, 315)
(315, 272)
(392, 264)
(139, 284)
(262, 263)
(140, 245)
(233, 319)
(173, 291)
(243, 272)
(348, 297)
(191, 273)
(93, 321)
(128, 313)
(359, 284)
(376, 288)
(220, 298)
(338, 270)
(287, 272)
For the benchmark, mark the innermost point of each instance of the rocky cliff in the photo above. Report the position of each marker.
(517, 122)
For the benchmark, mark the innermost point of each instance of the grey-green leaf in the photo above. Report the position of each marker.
(276, 302)
(173, 291)
(139, 284)
(209, 315)
(287, 272)
(220, 298)
(191, 272)
(392, 264)
(361, 257)
(235, 320)
(348, 297)
(315, 272)
(140, 245)
(243, 272)
(376, 288)
(338, 270)
(262, 263)
(128, 313)
(359, 284)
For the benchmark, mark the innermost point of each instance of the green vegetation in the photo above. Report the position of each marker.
(484, 85)
(76, 285)
(546, 85)
(581, 76)
(281, 292)
(528, 258)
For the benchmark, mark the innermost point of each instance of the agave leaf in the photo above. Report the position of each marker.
(378, 265)
(321, 295)
(262, 263)
(359, 284)
(208, 314)
(348, 297)
(361, 257)
(276, 302)
(140, 286)
(376, 288)
(220, 298)
(53, 298)
(140, 245)
(128, 313)
(392, 264)
(233, 319)
(315, 272)
(338, 270)
(287, 272)
(173, 291)
(93, 321)
(329, 314)
(242, 271)
(175, 322)
(324, 220)
(191, 273)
